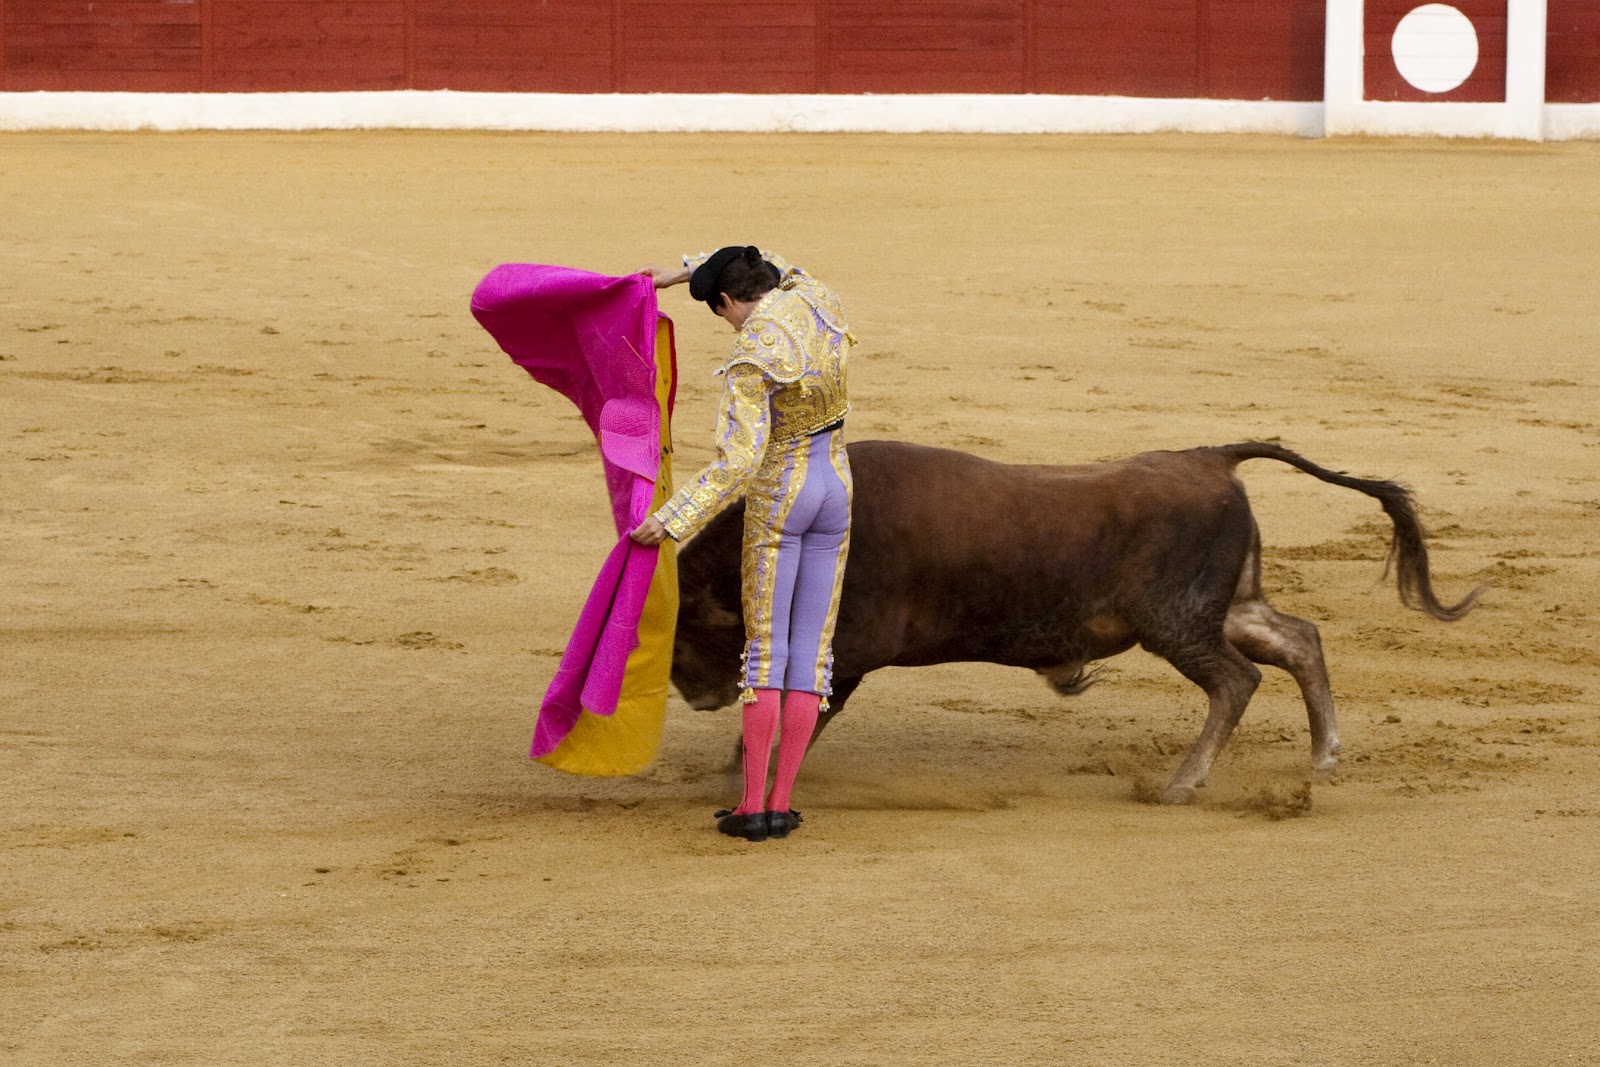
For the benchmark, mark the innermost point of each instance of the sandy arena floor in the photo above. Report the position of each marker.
(290, 549)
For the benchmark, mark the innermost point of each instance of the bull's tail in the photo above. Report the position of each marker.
(1408, 551)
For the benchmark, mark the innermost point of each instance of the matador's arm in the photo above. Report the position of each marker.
(743, 427)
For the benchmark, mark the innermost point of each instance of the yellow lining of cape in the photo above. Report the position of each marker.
(626, 742)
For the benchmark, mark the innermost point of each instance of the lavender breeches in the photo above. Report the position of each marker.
(796, 538)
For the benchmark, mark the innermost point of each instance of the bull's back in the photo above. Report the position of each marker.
(958, 557)
(948, 507)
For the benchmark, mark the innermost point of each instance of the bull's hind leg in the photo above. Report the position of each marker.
(1293, 645)
(1229, 681)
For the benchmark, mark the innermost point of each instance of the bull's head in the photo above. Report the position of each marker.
(705, 654)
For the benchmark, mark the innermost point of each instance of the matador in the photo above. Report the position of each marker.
(780, 445)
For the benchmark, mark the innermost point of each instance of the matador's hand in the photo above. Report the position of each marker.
(650, 532)
(663, 277)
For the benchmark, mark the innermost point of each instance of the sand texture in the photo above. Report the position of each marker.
(290, 549)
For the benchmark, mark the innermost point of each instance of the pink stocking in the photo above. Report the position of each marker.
(760, 726)
(800, 712)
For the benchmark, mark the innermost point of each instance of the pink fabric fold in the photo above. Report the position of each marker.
(591, 338)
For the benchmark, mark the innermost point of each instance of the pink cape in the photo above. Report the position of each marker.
(591, 338)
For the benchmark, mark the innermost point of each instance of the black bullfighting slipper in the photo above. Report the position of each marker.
(751, 827)
(779, 823)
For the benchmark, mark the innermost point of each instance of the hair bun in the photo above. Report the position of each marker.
(752, 255)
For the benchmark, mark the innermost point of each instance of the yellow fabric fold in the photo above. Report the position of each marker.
(626, 741)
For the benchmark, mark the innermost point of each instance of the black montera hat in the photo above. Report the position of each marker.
(703, 282)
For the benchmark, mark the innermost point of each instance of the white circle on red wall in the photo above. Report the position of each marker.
(1435, 48)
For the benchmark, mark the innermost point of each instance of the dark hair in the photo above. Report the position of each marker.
(748, 276)
(737, 270)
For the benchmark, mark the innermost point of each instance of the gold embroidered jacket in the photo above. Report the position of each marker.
(785, 381)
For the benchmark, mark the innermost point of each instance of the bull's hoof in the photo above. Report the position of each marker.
(1324, 768)
(751, 827)
(1177, 794)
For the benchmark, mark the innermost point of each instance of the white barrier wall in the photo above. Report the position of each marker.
(655, 112)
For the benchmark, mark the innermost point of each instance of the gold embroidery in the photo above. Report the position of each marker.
(797, 336)
(766, 513)
(743, 429)
(786, 381)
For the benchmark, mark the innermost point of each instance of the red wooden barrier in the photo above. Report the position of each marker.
(1225, 49)
(558, 46)
(282, 45)
(716, 46)
(904, 46)
(1259, 51)
(1572, 52)
(107, 44)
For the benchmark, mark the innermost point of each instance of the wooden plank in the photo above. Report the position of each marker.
(708, 62)
(310, 45)
(1030, 44)
(409, 35)
(511, 60)
(95, 38)
(1265, 49)
(208, 41)
(1141, 61)
(1122, 20)
(763, 48)
(792, 23)
(555, 77)
(933, 64)
(312, 80)
(693, 78)
(931, 38)
(508, 12)
(936, 10)
(100, 12)
(619, 56)
(546, 72)
(23, 58)
(879, 23)
(1167, 48)
(104, 81)
(896, 72)
(736, 44)
(104, 45)
(819, 46)
(918, 25)
(1572, 74)
(360, 53)
(595, 15)
(267, 16)
(1095, 47)
(1089, 80)
(464, 44)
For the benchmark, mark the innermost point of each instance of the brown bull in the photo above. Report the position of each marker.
(956, 558)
